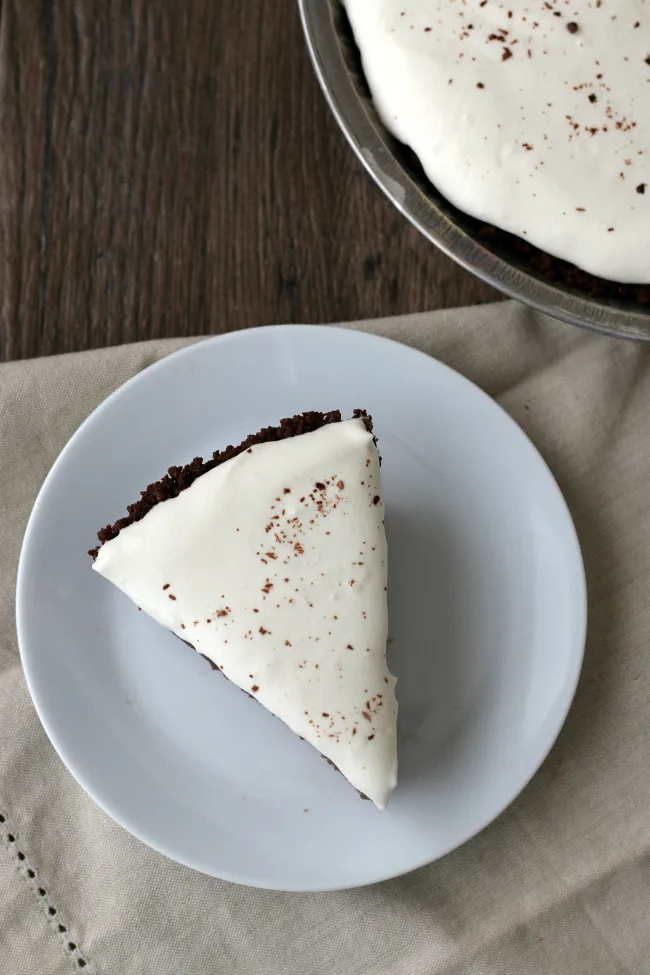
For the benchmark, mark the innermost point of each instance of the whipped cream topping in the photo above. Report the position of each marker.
(531, 116)
(273, 565)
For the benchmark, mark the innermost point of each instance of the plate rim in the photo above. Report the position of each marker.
(30, 539)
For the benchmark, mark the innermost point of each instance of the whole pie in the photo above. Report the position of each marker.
(529, 116)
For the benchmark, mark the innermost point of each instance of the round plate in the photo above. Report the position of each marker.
(487, 619)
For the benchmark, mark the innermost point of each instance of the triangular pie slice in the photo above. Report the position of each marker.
(270, 560)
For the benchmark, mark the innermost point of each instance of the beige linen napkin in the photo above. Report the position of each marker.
(559, 884)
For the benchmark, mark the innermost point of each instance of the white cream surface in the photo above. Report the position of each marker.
(532, 116)
(273, 565)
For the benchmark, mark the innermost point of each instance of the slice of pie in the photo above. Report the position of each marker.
(270, 560)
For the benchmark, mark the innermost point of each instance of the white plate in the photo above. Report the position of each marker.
(487, 619)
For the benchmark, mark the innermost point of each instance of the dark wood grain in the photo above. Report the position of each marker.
(171, 168)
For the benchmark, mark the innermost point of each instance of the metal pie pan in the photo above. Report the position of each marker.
(337, 64)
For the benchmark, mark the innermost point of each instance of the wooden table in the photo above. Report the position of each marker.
(170, 167)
